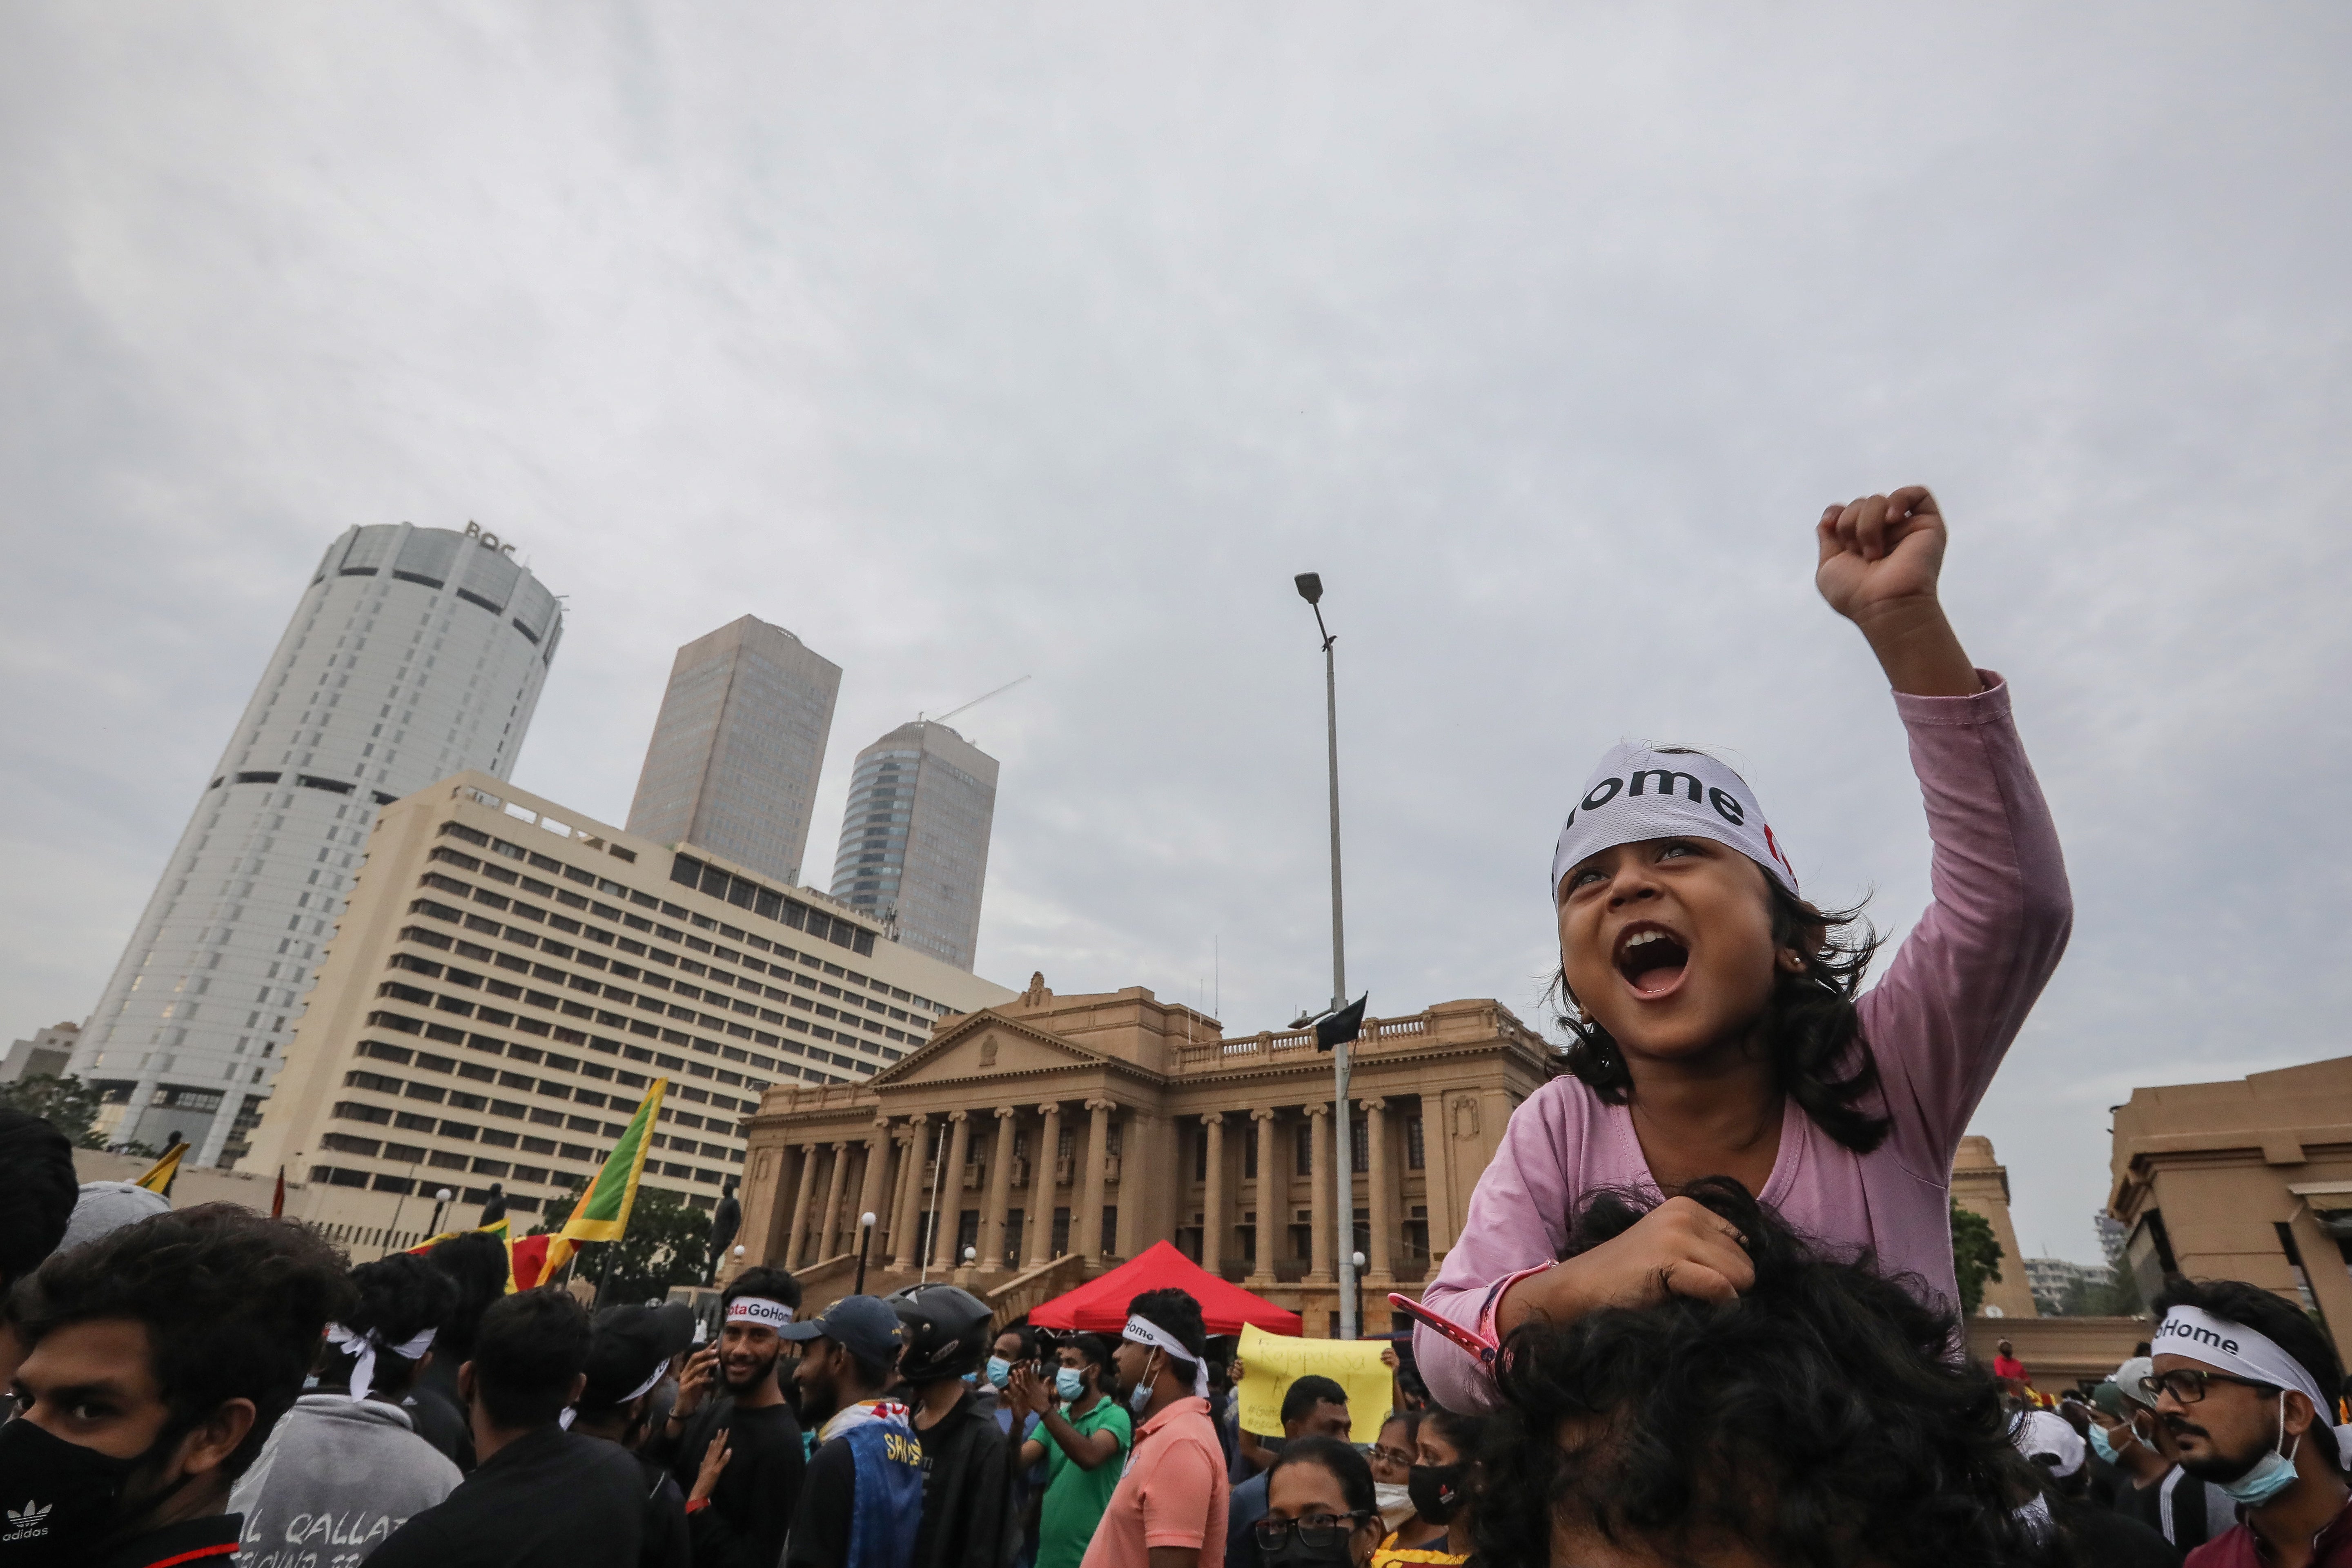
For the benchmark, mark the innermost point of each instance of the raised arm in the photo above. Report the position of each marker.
(1958, 991)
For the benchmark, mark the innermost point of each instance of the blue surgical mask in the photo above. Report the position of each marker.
(2099, 1444)
(1000, 1371)
(1140, 1397)
(971, 1379)
(2272, 1474)
(1070, 1385)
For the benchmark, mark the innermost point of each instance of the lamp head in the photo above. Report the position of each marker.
(1310, 586)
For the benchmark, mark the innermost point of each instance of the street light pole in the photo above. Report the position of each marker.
(1311, 588)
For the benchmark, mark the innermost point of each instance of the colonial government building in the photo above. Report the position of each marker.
(1037, 1141)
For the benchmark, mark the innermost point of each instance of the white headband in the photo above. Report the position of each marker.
(364, 1347)
(1144, 1331)
(1639, 791)
(2235, 1348)
(759, 1309)
(570, 1411)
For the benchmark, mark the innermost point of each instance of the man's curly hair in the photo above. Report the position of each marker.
(400, 1297)
(233, 1306)
(1824, 1418)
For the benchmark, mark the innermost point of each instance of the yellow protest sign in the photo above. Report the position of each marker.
(1272, 1362)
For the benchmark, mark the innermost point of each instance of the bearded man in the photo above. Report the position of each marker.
(729, 1403)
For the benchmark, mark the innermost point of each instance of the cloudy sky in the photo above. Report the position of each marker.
(976, 341)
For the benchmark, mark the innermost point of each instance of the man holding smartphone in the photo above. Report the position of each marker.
(729, 1397)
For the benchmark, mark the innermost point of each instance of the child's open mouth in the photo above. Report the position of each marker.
(1652, 959)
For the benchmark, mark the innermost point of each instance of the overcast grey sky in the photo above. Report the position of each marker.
(971, 342)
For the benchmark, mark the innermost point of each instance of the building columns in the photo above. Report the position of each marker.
(1381, 1272)
(907, 1227)
(886, 1208)
(803, 1200)
(1318, 1140)
(223, 1123)
(1044, 1185)
(1000, 1194)
(830, 1225)
(1437, 1163)
(870, 1190)
(951, 1199)
(1213, 1196)
(1269, 1204)
(1091, 1190)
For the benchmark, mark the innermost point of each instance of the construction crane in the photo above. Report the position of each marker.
(975, 702)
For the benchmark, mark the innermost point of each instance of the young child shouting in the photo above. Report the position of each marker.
(1717, 1030)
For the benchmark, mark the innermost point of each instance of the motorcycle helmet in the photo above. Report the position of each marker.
(946, 1332)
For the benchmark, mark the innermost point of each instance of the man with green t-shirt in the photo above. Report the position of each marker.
(1082, 1462)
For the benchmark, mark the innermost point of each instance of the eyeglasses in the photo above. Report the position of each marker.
(2186, 1384)
(1315, 1531)
(1401, 1457)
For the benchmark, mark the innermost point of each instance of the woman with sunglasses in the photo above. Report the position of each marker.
(1319, 1512)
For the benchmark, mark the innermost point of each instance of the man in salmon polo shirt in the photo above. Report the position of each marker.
(1168, 1510)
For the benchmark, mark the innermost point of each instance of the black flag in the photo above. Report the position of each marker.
(1340, 1027)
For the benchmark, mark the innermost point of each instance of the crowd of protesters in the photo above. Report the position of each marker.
(1700, 1310)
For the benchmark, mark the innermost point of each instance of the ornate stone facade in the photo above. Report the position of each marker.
(1033, 1143)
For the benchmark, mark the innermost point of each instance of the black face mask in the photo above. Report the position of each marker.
(1436, 1492)
(62, 1500)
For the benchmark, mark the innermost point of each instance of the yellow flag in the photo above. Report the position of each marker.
(1272, 1362)
(160, 1175)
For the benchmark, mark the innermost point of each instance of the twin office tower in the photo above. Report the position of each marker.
(733, 767)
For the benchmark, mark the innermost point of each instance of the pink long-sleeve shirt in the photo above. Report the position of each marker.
(1939, 1024)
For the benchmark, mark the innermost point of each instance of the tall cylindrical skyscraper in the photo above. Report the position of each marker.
(416, 653)
(913, 841)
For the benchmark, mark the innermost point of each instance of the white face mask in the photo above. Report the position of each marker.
(1390, 1496)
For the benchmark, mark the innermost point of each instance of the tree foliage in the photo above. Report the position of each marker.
(66, 1103)
(1976, 1256)
(667, 1243)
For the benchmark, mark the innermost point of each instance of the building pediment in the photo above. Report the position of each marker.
(986, 1045)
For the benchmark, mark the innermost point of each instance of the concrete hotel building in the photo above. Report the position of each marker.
(913, 841)
(508, 976)
(413, 653)
(737, 747)
(1056, 1135)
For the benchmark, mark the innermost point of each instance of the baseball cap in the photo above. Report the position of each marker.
(2047, 1439)
(626, 1350)
(2127, 1378)
(867, 1326)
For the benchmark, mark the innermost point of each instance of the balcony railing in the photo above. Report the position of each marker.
(1379, 1032)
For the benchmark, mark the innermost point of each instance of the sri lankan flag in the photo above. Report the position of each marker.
(602, 1212)
(161, 1174)
(497, 1227)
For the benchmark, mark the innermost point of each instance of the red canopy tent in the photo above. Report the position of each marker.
(1100, 1305)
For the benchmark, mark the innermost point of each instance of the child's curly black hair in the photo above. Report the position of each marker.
(1824, 1418)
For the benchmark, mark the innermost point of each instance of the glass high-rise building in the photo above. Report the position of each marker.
(914, 842)
(737, 750)
(414, 652)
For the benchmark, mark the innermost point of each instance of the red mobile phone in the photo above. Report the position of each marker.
(1470, 1340)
